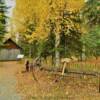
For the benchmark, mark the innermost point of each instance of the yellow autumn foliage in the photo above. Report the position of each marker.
(39, 11)
(75, 4)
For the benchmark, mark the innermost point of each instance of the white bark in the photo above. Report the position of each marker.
(83, 53)
(57, 53)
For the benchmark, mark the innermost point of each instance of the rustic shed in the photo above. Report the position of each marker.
(9, 51)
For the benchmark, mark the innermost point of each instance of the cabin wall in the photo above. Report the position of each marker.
(9, 54)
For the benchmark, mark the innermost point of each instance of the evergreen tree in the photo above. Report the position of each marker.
(3, 17)
(91, 18)
(92, 42)
(91, 12)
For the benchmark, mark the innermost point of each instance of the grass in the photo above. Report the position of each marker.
(88, 67)
(53, 87)
(93, 66)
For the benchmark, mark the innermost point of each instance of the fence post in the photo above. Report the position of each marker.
(64, 66)
(99, 83)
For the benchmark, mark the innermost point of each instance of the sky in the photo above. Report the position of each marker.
(11, 4)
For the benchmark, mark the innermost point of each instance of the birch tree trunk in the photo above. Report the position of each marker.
(83, 58)
(57, 52)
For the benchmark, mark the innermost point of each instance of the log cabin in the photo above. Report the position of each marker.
(9, 51)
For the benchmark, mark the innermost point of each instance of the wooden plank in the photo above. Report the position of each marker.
(63, 71)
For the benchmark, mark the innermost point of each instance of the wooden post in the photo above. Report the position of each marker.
(64, 66)
(99, 83)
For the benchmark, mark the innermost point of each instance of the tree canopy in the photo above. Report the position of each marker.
(57, 27)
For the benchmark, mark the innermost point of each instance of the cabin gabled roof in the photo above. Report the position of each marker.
(9, 42)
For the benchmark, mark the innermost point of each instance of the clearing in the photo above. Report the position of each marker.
(16, 84)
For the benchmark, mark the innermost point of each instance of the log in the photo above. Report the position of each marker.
(63, 71)
(99, 83)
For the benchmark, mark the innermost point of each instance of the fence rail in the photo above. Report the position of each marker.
(79, 68)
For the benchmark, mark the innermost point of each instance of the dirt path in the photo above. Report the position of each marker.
(8, 81)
